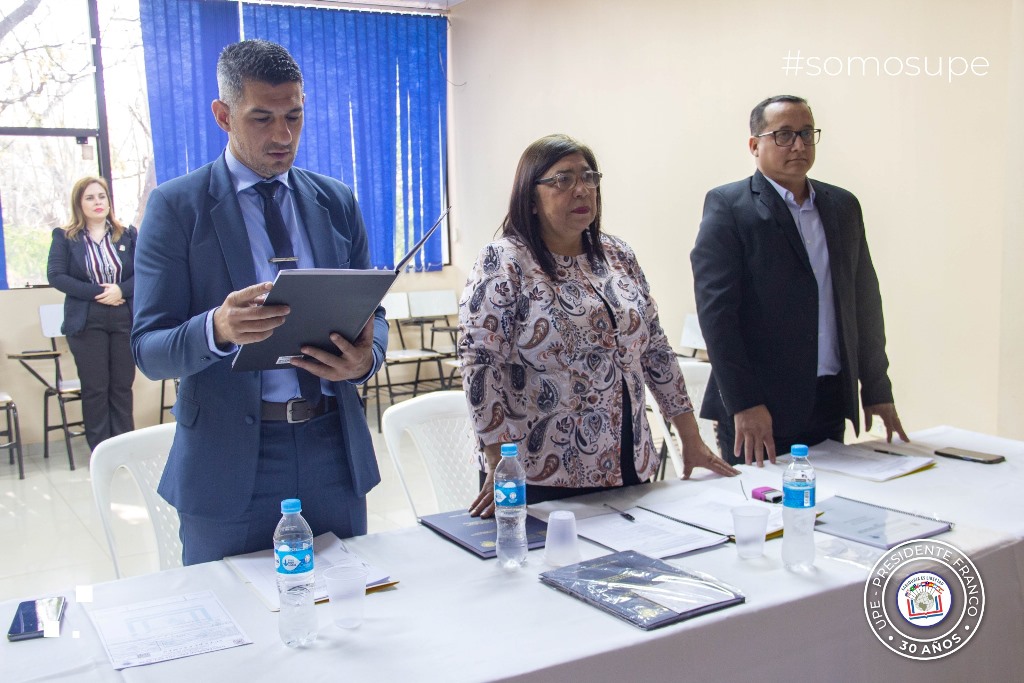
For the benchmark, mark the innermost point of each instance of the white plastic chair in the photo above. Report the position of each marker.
(696, 373)
(442, 433)
(692, 337)
(143, 453)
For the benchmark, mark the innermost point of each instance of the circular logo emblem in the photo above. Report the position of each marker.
(924, 599)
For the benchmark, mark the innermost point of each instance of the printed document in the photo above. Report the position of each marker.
(164, 629)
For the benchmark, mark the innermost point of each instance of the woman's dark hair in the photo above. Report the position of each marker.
(521, 222)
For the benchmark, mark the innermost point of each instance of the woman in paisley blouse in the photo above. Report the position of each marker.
(558, 336)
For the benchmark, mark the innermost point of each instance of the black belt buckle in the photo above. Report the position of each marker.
(298, 410)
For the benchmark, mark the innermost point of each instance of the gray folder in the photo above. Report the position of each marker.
(322, 301)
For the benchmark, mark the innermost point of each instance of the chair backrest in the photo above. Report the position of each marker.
(51, 317)
(440, 428)
(396, 305)
(692, 337)
(143, 453)
(696, 373)
(433, 303)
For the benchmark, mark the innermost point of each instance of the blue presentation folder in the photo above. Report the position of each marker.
(479, 535)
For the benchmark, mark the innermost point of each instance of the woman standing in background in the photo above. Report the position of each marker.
(92, 262)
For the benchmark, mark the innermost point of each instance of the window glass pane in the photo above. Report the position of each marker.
(46, 64)
(124, 78)
(36, 175)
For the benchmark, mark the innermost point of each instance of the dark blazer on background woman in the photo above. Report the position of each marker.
(65, 270)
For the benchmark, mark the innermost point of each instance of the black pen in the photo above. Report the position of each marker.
(625, 515)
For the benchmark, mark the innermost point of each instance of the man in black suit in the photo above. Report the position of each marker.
(788, 299)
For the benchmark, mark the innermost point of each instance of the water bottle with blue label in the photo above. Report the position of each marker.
(798, 489)
(293, 554)
(510, 508)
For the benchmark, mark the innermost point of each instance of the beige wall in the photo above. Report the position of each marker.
(19, 322)
(661, 89)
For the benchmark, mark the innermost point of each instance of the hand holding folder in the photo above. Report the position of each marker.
(323, 301)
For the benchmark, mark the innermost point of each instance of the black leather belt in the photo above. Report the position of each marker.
(297, 410)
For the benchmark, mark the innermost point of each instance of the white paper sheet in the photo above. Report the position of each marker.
(258, 569)
(857, 461)
(167, 628)
(649, 533)
(712, 510)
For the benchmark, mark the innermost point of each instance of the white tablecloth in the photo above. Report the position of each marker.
(456, 618)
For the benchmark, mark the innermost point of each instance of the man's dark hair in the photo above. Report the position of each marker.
(522, 224)
(757, 122)
(253, 60)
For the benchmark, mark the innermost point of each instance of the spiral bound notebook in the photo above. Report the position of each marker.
(875, 525)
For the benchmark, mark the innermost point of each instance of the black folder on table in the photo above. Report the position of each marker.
(645, 591)
(322, 301)
(479, 535)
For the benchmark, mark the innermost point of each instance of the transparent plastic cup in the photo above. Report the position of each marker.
(750, 522)
(346, 588)
(561, 545)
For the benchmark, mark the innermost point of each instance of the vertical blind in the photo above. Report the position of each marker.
(375, 112)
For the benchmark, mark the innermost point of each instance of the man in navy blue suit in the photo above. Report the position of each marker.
(788, 299)
(205, 258)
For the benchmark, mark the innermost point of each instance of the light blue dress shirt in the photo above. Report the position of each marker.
(812, 234)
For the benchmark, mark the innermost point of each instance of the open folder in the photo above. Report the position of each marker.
(322, 301)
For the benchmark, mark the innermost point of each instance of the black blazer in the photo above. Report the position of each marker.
(65, 270)
(757, 301)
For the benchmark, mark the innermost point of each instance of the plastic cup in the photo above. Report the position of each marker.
(346, 588)
(750, 522)
(561, 545)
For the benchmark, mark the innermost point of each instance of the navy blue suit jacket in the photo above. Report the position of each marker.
(757, 300)
(193, 251)
(65, 271)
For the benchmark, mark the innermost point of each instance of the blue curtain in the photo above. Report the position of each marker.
(181, 41)
(375, 116)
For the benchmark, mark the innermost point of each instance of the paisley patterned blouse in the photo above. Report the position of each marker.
(543, 362)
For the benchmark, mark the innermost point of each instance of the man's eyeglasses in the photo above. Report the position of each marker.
(786, 138)
(566, 180)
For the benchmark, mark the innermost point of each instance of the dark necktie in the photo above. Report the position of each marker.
(276, 229)
(309, 385)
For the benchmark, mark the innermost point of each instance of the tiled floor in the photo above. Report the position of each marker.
(53, 539)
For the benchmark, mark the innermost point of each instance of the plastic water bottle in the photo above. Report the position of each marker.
(798, 488)
(510, 508)
(293, 553)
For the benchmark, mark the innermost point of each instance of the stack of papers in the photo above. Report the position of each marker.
(258, 569)
(867, 461)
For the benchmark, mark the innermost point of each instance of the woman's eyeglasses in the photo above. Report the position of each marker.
(566, 180)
